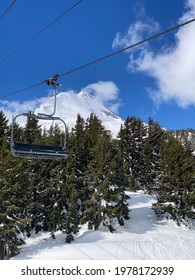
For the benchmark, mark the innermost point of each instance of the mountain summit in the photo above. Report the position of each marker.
(70, 104)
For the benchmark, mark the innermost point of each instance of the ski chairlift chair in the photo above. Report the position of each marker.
(35, 150)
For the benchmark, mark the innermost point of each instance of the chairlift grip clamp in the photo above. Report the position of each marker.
(52, 81)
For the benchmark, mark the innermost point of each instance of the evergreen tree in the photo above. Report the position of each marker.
(3, 126)
(73, 187)
(94, 127)
(106, 182)
(80, 148)
(53, 136)
(131, 138)
(117, 183)
(32, 131)
(18, 133)
(41, 194)
(176, 184)
(151, 156)
(13, 183)
(72, 203)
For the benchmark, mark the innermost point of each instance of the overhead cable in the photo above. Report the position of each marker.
(38, 33)
(7, 10)
(106, 56)
(127, 48)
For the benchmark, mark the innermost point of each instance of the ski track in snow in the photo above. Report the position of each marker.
(144, 237)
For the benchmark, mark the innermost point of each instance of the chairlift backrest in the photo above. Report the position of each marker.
(35, 150)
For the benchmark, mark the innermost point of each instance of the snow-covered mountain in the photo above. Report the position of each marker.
(69, 105)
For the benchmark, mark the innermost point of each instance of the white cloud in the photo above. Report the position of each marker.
(106, 92)
(13, 108)
(173, 68)
(135, 34)
(190, 13)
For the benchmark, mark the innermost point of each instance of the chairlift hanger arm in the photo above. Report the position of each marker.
(52, 81)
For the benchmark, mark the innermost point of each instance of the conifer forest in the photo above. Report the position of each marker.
(89, 186)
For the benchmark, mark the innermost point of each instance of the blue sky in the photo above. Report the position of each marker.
(154, 80)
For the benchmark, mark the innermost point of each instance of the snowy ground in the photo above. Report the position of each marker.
(144, 238)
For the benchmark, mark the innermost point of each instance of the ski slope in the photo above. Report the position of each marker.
(144, 237)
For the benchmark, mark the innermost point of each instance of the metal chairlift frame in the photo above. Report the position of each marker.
(35, 150)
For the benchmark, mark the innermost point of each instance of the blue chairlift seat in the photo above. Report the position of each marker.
(39, 151)
(35, 150)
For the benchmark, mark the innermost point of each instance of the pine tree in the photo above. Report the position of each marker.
(117, 185)
(131, 137)
(18, 133)
(151, 156)
(32, 131)
(14, 199)
(94, 127)
(41, 194)
(53, 136)
(95, 176)
(80, 148)
(106, 182)
(72, 203)
(3, 126)
(177, 182)
(73, 187)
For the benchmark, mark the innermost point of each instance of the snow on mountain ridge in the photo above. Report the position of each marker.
(70, 104)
